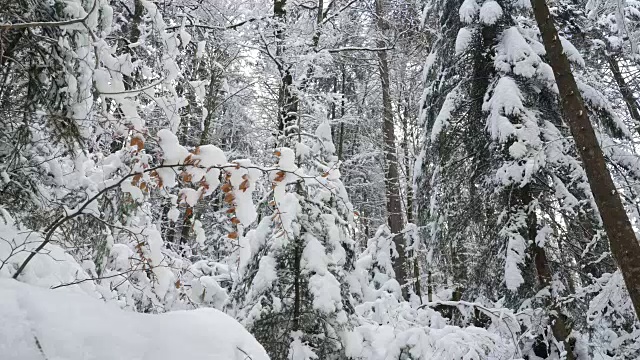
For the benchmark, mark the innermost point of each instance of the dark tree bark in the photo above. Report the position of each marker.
(287, 99)
(625, 91)
(559, 326)
(394, 205)
(622, 239)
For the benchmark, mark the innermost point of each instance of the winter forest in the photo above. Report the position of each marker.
(319, 179)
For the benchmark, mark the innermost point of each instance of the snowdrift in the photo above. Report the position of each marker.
(37, 323)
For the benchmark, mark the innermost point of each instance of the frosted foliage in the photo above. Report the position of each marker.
(266, 275)
(468, 11)
(154, 252)
(442, 120)
(326, 292)
(508, 120)
(490, 12)
(208, 292)
(314, 256)
(516, 250)
(243, 180)
(299, 350)
(572, 53)
(517, 150)
(200, 234)
(142, 144)
(568, 200)
(421, 333)
(465, 36)
(543, 236)
(189, 197)
(374, 275)
(505, 101)
(596, 99)
(207, 158)
(323, 133)
(173, 154)
(515, 54)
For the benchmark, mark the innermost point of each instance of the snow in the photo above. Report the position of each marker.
(543, 236)
(505, 101)
(490, 12)
(596, 99)
(199, 231)
(314, 256)
(299, 350)
(266, 275)
(326, 292)
(465, 36)
(448, 107)
(173, 154)
(189, 196)
(518, 150)
(468, 11)
(515, 54)
(200, 50)
(243, 180)
(572, 53)
(185, 37)
(50, 268)
(515, 256)
(153, 251)
(522, 4)
(171, 106)
(323, 133)
(38, 324)
(207, 291)
(422, 334)
(207, 158)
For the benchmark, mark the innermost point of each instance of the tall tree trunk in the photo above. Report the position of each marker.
(622, 239)
(287, 117)
(287, 99)
(407, 162)
(394, 205)
(211, 104)
(417, 287)
(558, 323)
(625, 91)
(342, 112)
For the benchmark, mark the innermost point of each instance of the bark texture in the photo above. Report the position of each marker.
(394, 204)
(622, 239)
(625, 91)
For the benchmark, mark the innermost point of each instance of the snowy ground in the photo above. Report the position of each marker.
(37, 323)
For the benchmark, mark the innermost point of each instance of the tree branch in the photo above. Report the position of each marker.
(48, 23)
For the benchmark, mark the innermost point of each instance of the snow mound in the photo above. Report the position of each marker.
(37, 323)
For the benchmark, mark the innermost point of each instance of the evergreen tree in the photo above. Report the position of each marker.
(292, 293)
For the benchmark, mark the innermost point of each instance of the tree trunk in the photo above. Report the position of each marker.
(287, 99)
(409, 196)
(394, 206)
(287, 118)
(622, 239)
(626, 93)
(342, 112)
(559, 326)
(211, 104)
